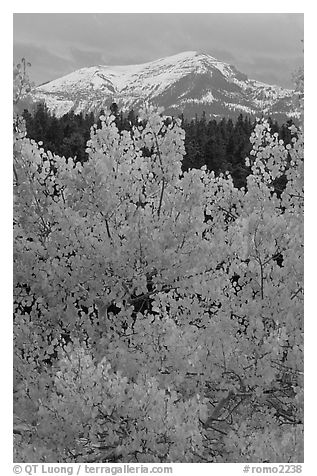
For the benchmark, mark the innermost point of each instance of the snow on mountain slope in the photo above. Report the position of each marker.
(188, 83)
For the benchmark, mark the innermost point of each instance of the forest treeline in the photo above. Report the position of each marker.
(220, 145)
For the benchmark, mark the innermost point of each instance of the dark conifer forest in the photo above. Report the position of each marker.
(220, 145)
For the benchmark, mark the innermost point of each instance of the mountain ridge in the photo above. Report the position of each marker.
(188, 83)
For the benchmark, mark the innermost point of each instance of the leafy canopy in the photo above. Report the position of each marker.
(157, 314)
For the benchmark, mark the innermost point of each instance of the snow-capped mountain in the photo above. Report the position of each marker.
(187, 83)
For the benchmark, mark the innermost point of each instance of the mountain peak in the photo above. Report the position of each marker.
(187, 82)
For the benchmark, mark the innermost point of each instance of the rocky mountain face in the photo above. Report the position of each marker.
(187, 83)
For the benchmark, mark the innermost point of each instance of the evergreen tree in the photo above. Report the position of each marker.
(219, 145)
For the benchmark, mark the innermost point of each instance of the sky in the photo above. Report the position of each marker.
(266, 46)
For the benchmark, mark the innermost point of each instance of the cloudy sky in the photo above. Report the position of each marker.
(265, 46)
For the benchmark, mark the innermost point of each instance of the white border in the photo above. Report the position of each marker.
(162, 6)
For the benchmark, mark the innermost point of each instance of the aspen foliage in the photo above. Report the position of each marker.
(158, 315)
